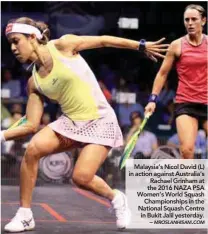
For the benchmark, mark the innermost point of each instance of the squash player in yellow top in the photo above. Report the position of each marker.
(88, 121)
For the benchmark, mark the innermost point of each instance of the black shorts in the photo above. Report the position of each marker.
(196, 110)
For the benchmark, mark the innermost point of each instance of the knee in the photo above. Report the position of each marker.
(187, 151)
(31, 153)
(81, 178)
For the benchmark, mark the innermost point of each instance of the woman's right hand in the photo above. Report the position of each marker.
(155, 49)
(150, 108)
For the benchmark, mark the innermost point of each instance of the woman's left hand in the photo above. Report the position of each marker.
(155, 49)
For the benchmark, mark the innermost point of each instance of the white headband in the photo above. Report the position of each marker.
(23, 28)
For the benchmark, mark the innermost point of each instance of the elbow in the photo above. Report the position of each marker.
(32, 129)
(104, 41)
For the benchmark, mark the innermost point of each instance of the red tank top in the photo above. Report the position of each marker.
(192, 72)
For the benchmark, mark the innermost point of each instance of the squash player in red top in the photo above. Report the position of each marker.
(189, 53)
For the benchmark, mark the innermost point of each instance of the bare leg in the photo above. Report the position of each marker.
(89, 161)
(187, 128)
(42, 144)
(205, 127)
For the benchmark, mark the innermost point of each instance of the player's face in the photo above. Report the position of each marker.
(193, 21)
(20, 46)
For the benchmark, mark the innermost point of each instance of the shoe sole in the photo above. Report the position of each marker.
(25, 230)
(122, 228)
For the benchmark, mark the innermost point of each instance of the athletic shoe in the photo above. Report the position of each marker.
(22, 221)
(122, 211)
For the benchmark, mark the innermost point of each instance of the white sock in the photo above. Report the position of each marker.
(25, 211)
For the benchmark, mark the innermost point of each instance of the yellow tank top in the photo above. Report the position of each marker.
(73, 85)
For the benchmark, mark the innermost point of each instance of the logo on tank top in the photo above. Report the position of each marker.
(54, 81)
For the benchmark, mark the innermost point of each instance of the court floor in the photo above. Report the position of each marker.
(69, 210)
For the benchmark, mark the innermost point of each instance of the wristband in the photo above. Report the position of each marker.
(142, 46)
(153, 98)
(2, 136)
